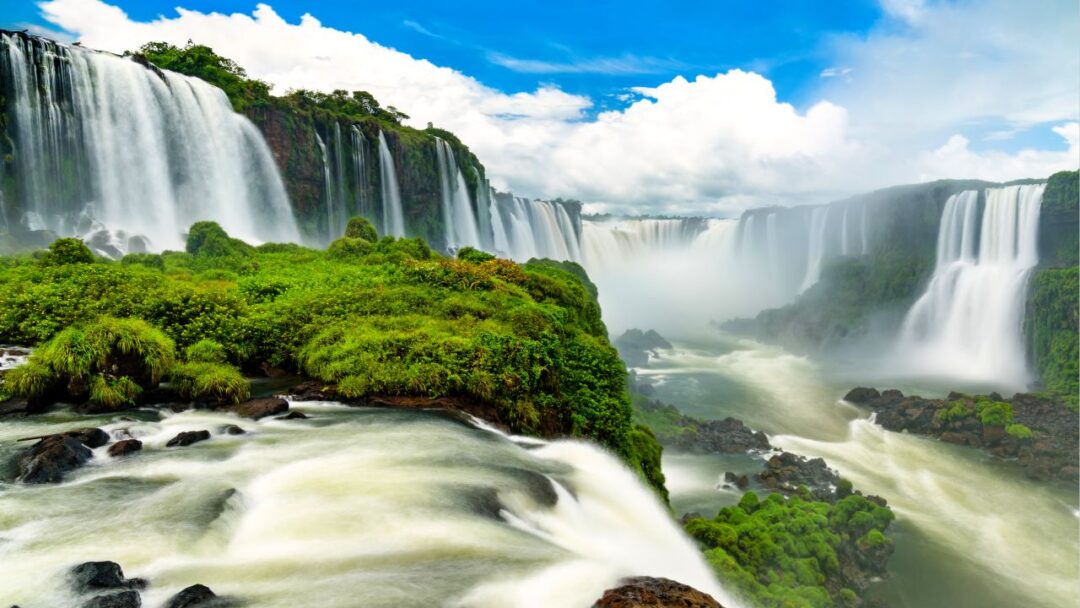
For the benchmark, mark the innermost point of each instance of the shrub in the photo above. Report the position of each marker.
(150, 260)
(30, 380)
(361, 228)
(67, 251)
(113, 393)
(470, 254)
(348, 246)
(215, 382)
(206, 351)
(1019, 431)
(994, 413)
(210, 239)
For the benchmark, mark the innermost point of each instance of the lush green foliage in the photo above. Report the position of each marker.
(114, 392)
(395, 319)
(67, 251)
(361, 228)
(202, 62)
(1052, 326)
(215, 382)
(1019, 431)
(788, 552)
(987, 411)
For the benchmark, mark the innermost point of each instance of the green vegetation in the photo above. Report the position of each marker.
(106, 361)
(986, 411)
(1052, 326)
(1019, 431)
(393, 319)
(1059, 221)
(67, 251)
(790, 553)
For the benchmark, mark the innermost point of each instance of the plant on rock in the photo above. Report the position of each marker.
(217, 383)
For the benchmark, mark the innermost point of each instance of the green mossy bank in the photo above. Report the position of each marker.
(381, 317)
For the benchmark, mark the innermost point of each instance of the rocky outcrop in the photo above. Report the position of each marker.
(124, 447)
(187, 438)
(684, 433)
(195, 596)
(1040, 434)
(635, 346)
(261, 408)
(119, 599)
(91, 577)
(48, 460)
(651, 592)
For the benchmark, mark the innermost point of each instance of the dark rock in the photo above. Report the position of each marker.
(313, 391)
(122, 599)
(232, 429)
(96, 576)
(50, 458)
(261, 408)
(188, 438)
(861, 394)
(90, 437)
(122, 448)
(17, 406)
(635, 346)
(272, 372)
(785, 472)
(293, 416)
(192, 597)
(650, 592)
(738, 481)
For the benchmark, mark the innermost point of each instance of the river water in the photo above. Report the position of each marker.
(353, 507)
(970, 532)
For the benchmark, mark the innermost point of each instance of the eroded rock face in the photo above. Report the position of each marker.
(188, 438)
(650, 592)
(261, 408)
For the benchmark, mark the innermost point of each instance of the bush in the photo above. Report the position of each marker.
(206, 351)
(1019, 431)
(210, 239)
(30, 380)
(470, 254)
(994, 413)
(215, 382)
(67, 251)
(150, 260)
(361, 228)
(114, 393)
(348, 246)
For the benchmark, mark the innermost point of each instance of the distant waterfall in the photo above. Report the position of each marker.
(969, 321)
(525, 229)
(458, 217)
(815, 253)
(393, 218)
(333, 188)
(119, 154)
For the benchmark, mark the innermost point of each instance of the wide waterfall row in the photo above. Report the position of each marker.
(99, 141)
(969, 322)
(525, 229)
(459, 220)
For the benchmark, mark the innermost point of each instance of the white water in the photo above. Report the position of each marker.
(102, 143)
(815, 253)
(393, 222)
(969, 322)
(459, 221)
(378, 508)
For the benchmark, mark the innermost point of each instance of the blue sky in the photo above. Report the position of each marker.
(597, 48)
(671, 107)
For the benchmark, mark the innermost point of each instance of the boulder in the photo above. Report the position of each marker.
(861, 394)
(50, 458)
(293, 416)
(90, 437)
(735, 480)
(232, 429)
(125, 447)
(192, 597)
(188, 438)
(96, 576)
(650, 592)
(261, 408)
(121, 599)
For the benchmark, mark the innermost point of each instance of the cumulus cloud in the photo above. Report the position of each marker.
(713, 144)
(956, 159)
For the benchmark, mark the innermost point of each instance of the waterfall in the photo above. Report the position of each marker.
(863, 231)
(969, 322)
(815, 254)
(458, 218)
(111, 151)
(484, 199)
(845, 249)
(392, 215)
(334, 227)
(360, 169)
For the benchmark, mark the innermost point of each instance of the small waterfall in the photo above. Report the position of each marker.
(393, 217)
(329, 191)
(484, 201)
(359, 146)
(109, 150)
(815, 254)
(457, 211)
(845, 248)
(969, 322)
(864, 231)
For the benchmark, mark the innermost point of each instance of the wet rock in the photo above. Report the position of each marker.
(97, 576)
(194, 596)
(17, 406)
(125, 447)
(738, 481)
(122, 599)
(261, 408)
(90, 437)
(50, 458)
(232, 429)
(650, 592)
(188, 438)
(861, 394)
(785, 472)
(313, 391)
(294, 416)
(635, 346)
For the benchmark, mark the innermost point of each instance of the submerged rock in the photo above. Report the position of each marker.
(188, 438)
(294, 416)
(91, 437)
(261, 408)
(50, 458)
(195, 596)
(121, 599)
(232, 429)
(650, 592)
(124, 447)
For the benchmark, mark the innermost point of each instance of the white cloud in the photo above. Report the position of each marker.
(625, 64)
(834, 72)
(708, 145)
(956, 159)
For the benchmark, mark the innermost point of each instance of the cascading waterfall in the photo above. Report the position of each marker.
(457, 210)
(525, 229)
(331, 193)
(969, 322)
(393, 223)
(109, 150)
(359, 147)
(815, 254)
(484, 200)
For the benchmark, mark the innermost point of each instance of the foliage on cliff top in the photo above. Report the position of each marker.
(391, 318)
(794, 553)
(1053, 329)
